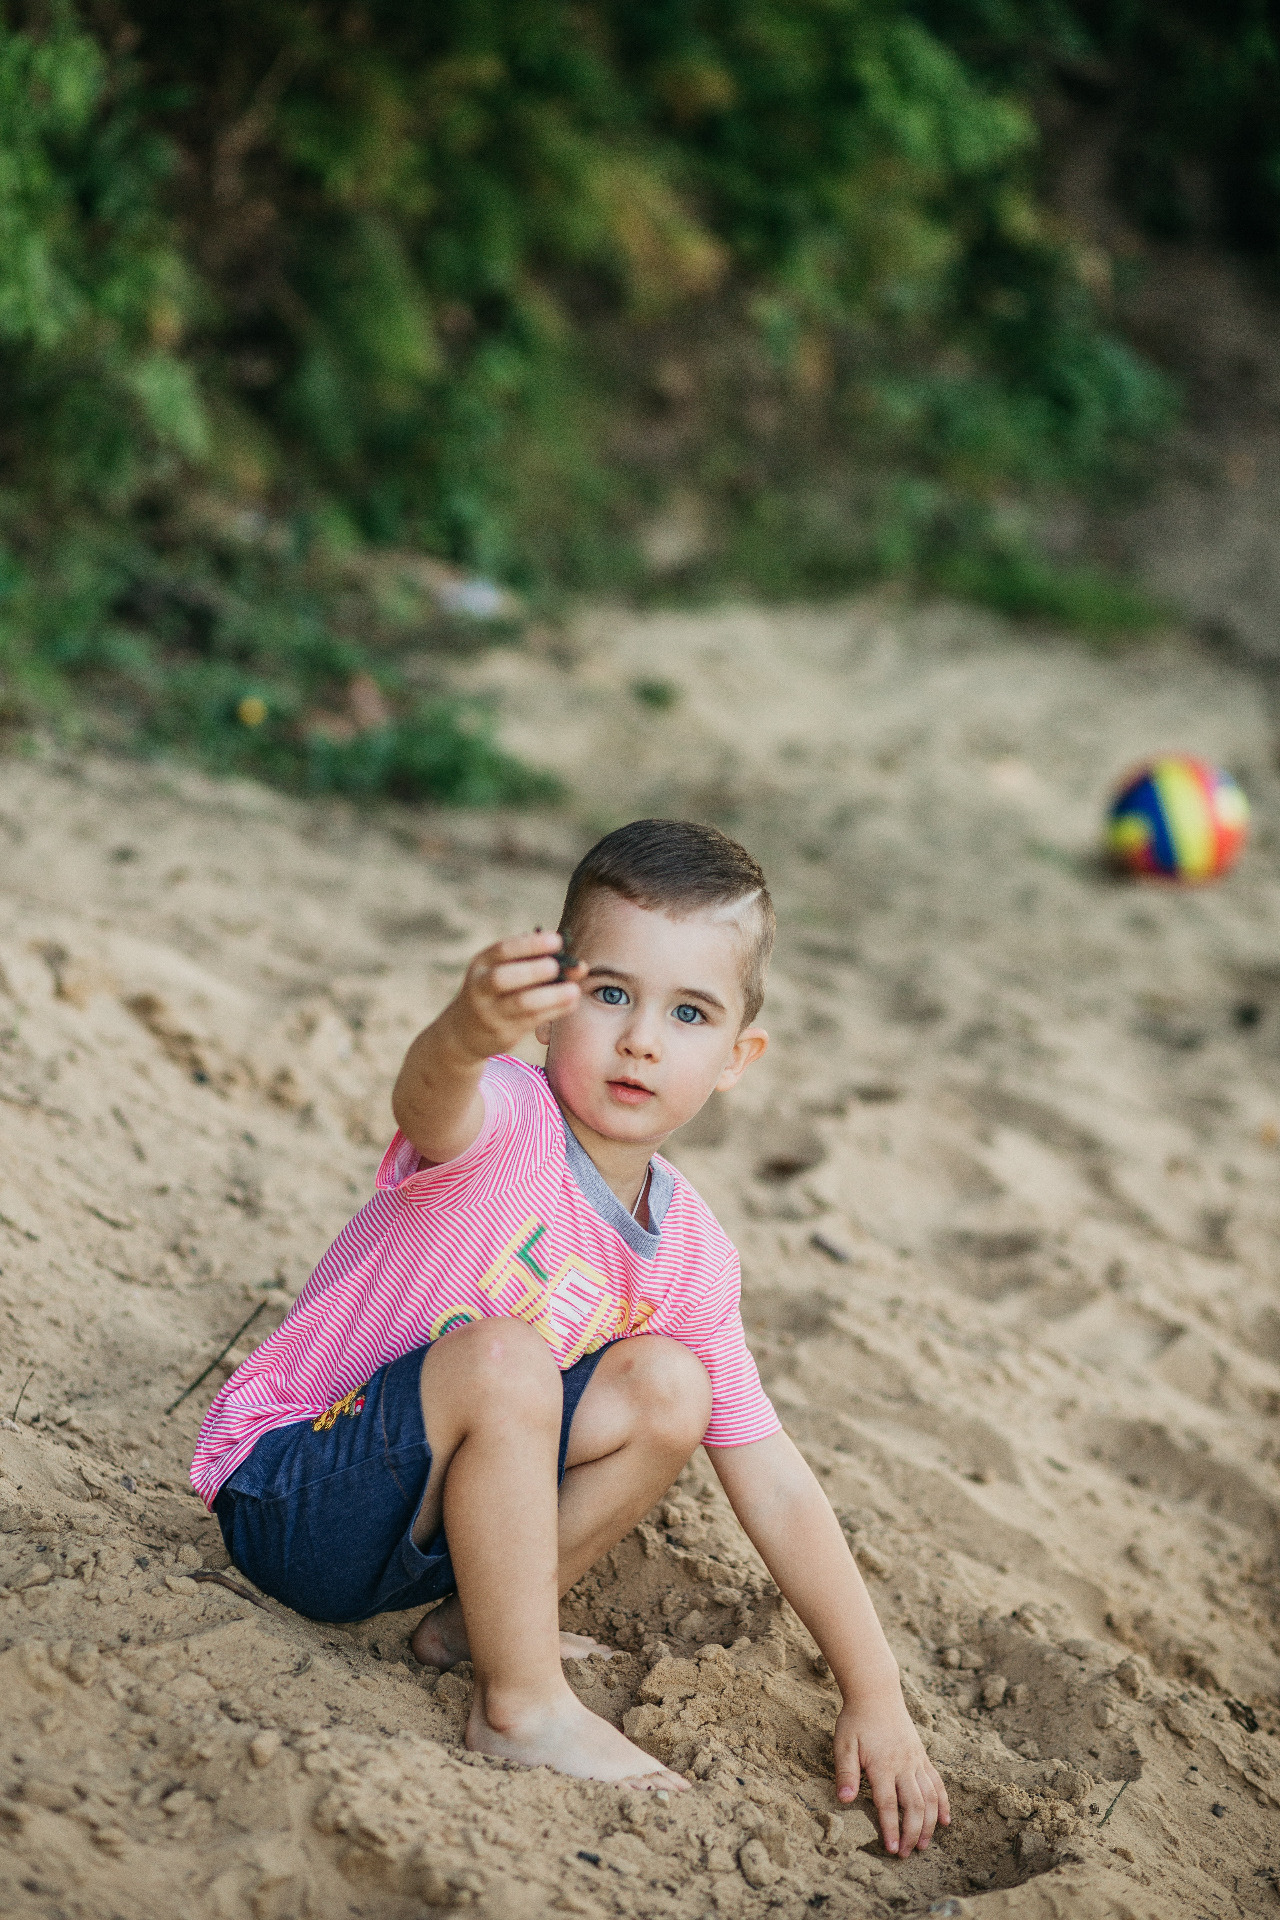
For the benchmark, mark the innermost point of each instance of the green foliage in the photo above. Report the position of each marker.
(1015, 579)
(258, 665)
(1190, 89)
(1196, 91)
(489, 281)
(93, 284)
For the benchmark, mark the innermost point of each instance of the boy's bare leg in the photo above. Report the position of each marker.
(491, 1403)
(644, 1411)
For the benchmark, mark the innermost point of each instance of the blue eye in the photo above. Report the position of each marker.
(613, 996)
(687, 1015)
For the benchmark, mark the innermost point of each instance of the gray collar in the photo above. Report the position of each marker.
(600, 1195)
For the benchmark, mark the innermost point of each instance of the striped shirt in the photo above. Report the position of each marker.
(521, 1225)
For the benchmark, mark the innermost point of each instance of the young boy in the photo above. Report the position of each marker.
(533, 1299)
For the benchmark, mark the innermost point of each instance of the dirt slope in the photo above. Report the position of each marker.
(1006, 1192)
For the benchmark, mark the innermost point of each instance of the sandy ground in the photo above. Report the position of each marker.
(1006, 1193)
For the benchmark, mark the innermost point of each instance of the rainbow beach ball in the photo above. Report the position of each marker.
(1178, 818)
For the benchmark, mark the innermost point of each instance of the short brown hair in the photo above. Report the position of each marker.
(677, 867)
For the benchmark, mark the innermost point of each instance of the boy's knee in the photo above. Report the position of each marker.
(671, 1390)
(501, 1363)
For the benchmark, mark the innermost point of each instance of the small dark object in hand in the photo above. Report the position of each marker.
(565, 960)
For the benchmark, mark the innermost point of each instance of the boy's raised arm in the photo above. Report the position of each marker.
(789, 1521)
(509, 989)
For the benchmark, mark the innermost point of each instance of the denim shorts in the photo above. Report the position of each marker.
(321, 1513)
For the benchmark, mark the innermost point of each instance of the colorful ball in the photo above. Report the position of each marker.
(1179, 818)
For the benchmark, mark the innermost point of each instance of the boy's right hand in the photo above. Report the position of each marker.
(509, 989)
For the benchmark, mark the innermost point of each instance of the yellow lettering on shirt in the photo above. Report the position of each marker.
(575, 1309)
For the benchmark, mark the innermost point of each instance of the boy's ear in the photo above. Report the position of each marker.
(748, 1046)
(542, 1034)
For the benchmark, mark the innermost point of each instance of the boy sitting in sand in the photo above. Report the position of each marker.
(533, 1299)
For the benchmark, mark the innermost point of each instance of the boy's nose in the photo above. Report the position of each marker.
(639, 1041)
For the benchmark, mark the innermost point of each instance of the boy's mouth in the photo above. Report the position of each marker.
(630, 1092)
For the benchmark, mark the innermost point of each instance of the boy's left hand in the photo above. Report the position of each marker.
(789, 1521)
(876, 1736)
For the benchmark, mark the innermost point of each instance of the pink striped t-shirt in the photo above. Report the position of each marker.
(522, 1224)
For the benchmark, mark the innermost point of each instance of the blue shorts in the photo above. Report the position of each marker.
(321, 1513)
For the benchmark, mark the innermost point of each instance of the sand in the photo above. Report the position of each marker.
(1006, 1192)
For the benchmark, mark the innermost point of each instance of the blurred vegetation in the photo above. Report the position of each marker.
(755, 293)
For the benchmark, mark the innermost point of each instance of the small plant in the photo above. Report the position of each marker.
(660, 695)
(1024, 584)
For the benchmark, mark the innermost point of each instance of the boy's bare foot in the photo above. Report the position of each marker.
(440, 1640)
(567, 1737)
(580, 1646)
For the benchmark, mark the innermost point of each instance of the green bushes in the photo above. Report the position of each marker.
(292, 671)
(94, 288)
(491, 282)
